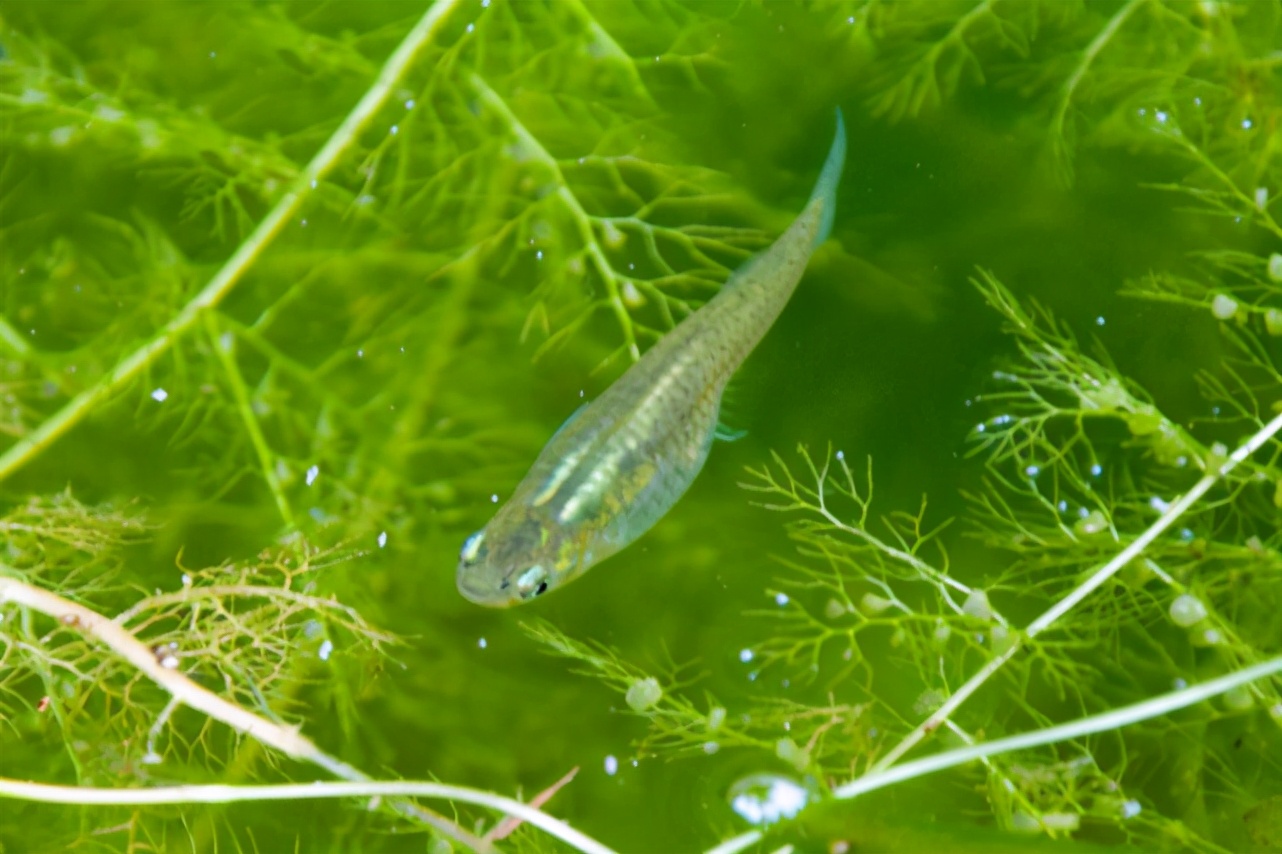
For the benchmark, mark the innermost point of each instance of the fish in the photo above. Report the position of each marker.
(621, 462)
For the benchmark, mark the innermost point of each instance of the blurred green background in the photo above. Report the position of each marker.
(390, 336)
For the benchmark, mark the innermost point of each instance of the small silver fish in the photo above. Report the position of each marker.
(620, 463)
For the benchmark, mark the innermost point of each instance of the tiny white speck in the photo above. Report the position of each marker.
(781, 599)
(1032, 471)
(1180, 684)
(1131, 808)
(494, 499)
(611, 765)
(1099, 321)
(1197, 101)
(1159, 504)
(471, 27)
(1161, 116)
(580, 392)
(409, 105)
(539, 255)
(169, 662)
(1247, 124)
(159, 395)
(745, 655)
(303, 224)
(186, 580)
(850, 20)
(213, 54)
(312, 473)
(382, 539)
(313, 183)
(485, 4)
(841, 455)
(1096, 470)
(395, 129)
(482, 643)
(360, 354)
(326, 647)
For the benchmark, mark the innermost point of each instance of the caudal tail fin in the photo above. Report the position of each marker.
(829, 178)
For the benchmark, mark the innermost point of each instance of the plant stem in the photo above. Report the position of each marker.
(1176, 509)
(584, 220)
(30, 445)
(216, 794)
(1111, 720)
(286, 739)
(266, 459)
(1105, 722)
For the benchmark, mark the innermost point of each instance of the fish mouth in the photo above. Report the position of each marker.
(477, 592)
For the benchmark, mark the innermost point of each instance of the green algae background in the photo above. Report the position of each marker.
(1052, 300)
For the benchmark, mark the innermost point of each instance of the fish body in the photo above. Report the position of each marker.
(622, 461)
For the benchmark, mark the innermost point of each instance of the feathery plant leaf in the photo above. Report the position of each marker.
(290, 294)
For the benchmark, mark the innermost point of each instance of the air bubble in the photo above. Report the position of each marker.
(1187, 610)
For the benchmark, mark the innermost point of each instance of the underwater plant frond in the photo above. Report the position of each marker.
(942, 45)
(818, 735)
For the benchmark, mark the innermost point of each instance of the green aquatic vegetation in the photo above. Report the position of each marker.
(290, 295)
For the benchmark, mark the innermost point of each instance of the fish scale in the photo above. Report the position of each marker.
(622, 461)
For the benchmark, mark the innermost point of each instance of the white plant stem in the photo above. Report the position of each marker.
(1109, 721)
(218, 794)
(30, 445)
(1173, 512)
(184, 691)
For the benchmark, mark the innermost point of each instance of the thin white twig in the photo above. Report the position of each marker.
(120, 640)
(1109, 721)
(220, 794)
(226, 278)
(1176, 509)
(182, 690)
(1105, 722)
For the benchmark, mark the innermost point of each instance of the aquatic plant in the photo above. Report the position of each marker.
(289, 294)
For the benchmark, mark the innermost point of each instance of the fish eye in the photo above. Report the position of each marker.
(471, 548)
(533, 582)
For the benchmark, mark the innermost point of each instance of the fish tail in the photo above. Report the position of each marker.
(826, 187)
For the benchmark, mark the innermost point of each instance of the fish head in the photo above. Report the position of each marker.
(518, 556)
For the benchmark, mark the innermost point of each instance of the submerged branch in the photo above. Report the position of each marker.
(159, 668)
(220, 794)
(1048, 618)
(30, 445)
(1109, 721)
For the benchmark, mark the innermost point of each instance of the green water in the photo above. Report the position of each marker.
(390, 334)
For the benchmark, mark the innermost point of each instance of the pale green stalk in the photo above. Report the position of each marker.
(30, 445)
(1176, 509)
(218, 794)
(183, 690)
(582, 218)
(266, 459)
(1109, 721)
